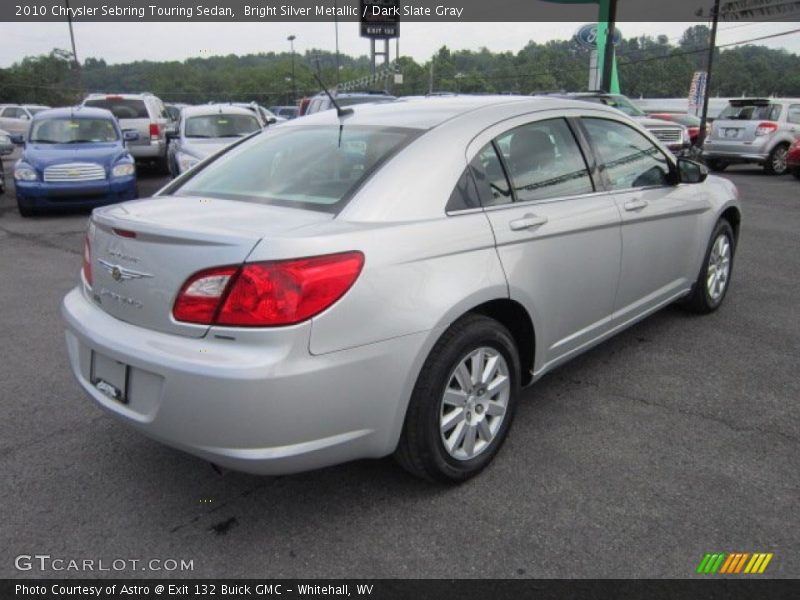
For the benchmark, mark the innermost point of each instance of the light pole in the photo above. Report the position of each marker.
(291, 40)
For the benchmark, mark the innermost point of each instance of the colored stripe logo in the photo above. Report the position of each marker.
(734, 563)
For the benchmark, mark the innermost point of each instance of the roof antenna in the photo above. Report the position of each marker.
(341, 112)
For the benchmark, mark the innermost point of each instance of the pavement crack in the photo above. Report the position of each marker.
(40, 239)
(706, 417)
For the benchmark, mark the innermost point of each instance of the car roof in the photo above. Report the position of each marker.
(215, 109)
(430, 112)
(74, 112)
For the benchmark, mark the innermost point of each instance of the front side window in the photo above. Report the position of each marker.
(314, 167)
(630, 159)
(73, 131)
(544, 161)
(220, 126)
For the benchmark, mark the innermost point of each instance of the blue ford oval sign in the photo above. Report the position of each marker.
(587, 36)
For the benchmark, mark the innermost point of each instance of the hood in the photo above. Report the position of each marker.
(650, 122)
(201, 148)
(41, 156)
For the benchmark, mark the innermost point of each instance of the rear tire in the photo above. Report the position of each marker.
(713, 282)
(162, 165)
(776, 162)
(716, 165)
(463, 403)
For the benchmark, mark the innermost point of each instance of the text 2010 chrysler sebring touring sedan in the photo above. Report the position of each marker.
(386, 280)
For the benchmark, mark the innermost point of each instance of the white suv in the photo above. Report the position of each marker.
(147, 115)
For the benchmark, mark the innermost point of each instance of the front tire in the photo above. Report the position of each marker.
(776, 162)
(712, 284)
(463, 403)
(717, 165)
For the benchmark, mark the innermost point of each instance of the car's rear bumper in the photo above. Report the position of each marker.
(735, 151)
(155, 149)
(263, 404)
(39, 194)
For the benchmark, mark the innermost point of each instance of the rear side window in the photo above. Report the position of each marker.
(630, 159)
(794, 114)
(544, 161)
(121, 108)
(490, 177)
(752, 112)
(317, 168)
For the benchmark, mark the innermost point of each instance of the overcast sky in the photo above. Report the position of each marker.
(125, 42)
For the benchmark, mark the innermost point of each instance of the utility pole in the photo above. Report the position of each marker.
(77, 63)
(291, 40)
(701, 137)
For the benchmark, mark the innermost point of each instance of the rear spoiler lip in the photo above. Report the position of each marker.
(750, 102)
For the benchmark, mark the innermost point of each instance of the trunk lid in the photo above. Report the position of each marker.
(136, 278)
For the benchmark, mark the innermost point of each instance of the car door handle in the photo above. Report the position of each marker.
(528, 221)
(637, 204)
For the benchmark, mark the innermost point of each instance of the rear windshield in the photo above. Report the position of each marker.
(220, 126)
(73, 131)
(618, 102)
(751, 112)
(317, 168)
(122, 109)
(36, 109)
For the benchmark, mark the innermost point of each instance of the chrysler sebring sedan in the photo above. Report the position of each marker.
(386, 279)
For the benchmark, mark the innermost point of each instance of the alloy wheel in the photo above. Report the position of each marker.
(475, 402)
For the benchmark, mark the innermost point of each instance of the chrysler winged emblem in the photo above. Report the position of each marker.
(119, 273)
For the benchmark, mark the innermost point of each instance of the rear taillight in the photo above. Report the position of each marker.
(87, 261)
(766, 128)
(154, 130)
(267, 294)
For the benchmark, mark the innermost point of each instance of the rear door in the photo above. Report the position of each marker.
(557, 235)
(660, 220)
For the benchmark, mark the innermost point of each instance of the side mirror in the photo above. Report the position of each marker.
(130, 135)
(172, 134)
(271, 120)
(17, 139)
(690, 171)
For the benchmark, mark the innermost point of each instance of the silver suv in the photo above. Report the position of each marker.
(754, 130)
(147, 115)
(16, 118)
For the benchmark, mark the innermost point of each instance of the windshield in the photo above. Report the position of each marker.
(363, 100)
(73, 131)
(220, 126)
(35, 109)
(751, 112)
(121, 108)
(618, 102)
(316, 168)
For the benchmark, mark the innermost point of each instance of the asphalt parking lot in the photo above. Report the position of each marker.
(681, 436)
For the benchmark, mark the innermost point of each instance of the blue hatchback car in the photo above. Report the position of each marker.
(74, 158)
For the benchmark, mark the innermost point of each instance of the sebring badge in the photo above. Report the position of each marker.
(119, 273)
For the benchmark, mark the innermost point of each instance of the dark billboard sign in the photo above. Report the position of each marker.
(380, 18)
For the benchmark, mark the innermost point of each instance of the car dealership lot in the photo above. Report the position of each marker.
(676, 438)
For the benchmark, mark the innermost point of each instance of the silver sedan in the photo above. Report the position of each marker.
(386, 280)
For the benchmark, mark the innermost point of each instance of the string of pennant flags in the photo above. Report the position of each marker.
(380, 76)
